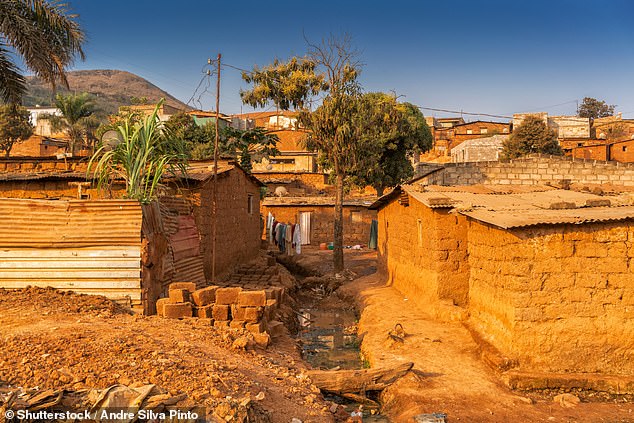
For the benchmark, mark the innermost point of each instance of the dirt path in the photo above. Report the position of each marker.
(449, 377)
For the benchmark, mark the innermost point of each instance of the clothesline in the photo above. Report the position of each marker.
(287, 236)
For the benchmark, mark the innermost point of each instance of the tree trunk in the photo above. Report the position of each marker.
(379, 190)
(338, 247)
(7, 152)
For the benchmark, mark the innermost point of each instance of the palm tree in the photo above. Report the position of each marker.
(44, 35)
(76, 118)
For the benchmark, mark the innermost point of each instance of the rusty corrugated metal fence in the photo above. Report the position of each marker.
(91, 247)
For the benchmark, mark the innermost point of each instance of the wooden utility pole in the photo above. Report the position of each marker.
(214, 200)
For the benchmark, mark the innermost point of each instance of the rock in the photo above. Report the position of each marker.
(296, 420)
(259, 396)
(567, 400)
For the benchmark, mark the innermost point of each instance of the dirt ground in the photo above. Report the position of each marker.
(448, 375)
(52, 340)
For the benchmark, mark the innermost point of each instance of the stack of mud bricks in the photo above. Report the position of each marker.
(253, 276)
(233, 307)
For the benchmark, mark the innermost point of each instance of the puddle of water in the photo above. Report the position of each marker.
(329, 340)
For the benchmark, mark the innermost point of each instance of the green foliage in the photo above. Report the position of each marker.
(15, 126)
(148, 150)
(593, 108)
(125, 114)
(396, 131)
(76, 119)
(531, 136)
(286, 84)
(44, 35)
(249, 145)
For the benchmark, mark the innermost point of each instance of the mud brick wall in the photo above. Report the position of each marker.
(556, 298)
(322, 222)
(32, 165)
(237, 230)
(532, 171)
(423, 253)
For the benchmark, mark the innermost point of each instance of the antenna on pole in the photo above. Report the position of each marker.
(215, 185)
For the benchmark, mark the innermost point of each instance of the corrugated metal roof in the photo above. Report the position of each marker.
(74, 223)
(23, 176)
(519, 208)
(522, 218)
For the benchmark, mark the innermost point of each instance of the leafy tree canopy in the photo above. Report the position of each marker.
(15, 126)
(44, 35)
(531, 136)
(286, 84)
(593, 108)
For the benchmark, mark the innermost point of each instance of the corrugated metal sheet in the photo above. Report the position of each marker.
(186, 241)
(91, 247)
(522, 218)
(75, 223)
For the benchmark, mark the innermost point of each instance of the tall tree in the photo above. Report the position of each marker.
(45, 36)
(398, 131)
(593, 108)
(15, 126)
(531, 136)
(76, 118)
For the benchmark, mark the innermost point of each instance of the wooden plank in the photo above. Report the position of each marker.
(351, 381)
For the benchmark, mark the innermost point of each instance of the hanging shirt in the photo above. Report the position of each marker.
(297, 239)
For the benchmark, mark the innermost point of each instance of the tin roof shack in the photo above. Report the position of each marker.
(321, 213)
(548, 275)
(91, 247)
(238, 225)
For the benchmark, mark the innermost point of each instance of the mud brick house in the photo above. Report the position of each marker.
(448, 137)
(171, 238)
(545, 275)
(320, 212)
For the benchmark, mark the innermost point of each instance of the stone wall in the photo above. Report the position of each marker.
(532, 171)
(237, 230)
(423, 253)
(556, 298)
(322, 218)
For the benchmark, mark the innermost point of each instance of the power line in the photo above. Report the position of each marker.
(464, 113)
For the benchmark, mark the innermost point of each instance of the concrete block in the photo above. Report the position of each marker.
(178, 295)
(205, 296)
(252, 298)
(177, 311)
(226, 296)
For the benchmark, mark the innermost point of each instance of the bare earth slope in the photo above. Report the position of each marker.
(112, 88)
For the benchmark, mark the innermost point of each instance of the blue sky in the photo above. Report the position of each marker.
(497, 57)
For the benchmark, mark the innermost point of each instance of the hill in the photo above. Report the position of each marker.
(111, 88)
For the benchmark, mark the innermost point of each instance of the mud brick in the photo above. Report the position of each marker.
(221, 323)
(227, 296)
(275, 328)
(178, 295)
(262, 340)
(220, 312)
(206, 312)
(252, 298)
(258, 327)
(177, 311)
(253, 314)
(237, 324)
(189, 286)
(237, 312)
(205, 296)
(160, 304)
